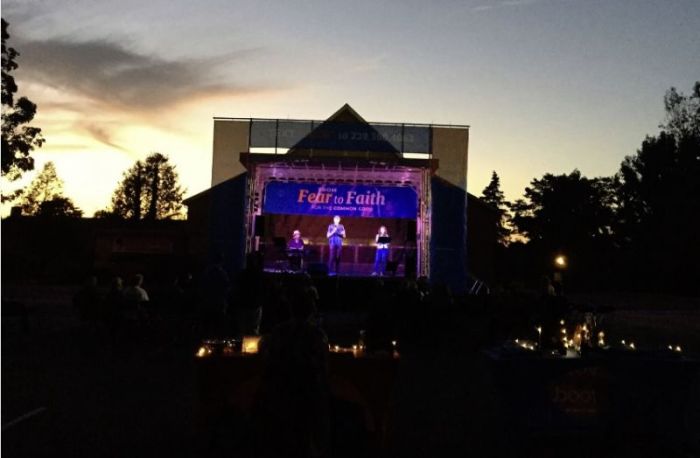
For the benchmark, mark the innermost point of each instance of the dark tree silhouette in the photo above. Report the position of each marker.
(659, 198)
(59, 207)
(682, 113)
(44, 196)
(493, 196)
(149, 190)
(18, 138)
(46, 186)
(566, 209)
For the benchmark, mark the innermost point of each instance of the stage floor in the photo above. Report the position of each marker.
(344, 273)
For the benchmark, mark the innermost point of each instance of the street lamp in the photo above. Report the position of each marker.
(560, 264)
(560, 261)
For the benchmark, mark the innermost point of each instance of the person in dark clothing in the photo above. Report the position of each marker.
(113, 310)
(87, 301)
(246, 300)
(292, 413)
(335, 235)
(213, 297)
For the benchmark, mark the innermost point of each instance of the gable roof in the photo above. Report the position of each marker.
(344, 134)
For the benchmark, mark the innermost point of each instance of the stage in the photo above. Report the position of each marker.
(298, 174)
(358, 253)
(345, 292)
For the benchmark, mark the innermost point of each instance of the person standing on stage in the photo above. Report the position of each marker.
(335, 236)
(295, 251)
(382, 254)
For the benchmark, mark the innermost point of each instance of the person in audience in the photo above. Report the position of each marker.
(247, 298)
(276, 309)
(87, 301)
(310, 290)
(113, 310)
(136, 300)
(214, 291)
(292, 409)
(379, 323)
(134, 291)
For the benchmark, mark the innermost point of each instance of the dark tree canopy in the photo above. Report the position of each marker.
(59, 207)
(44, 196)
(659, 195)
(149, 190)
(682, 113)
(566, 211)
(18, 138)
(46, 186)
(493, 196)
(638, 229)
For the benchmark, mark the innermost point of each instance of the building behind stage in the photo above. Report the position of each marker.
(461, 233)
(54, 251)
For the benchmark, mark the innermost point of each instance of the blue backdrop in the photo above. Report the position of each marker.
(343, 200)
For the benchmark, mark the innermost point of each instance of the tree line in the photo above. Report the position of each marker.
(149, 190)
(637, 228)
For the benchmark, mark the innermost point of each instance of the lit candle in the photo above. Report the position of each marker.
(250, 344)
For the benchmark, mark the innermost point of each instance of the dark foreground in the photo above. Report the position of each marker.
(67, 392)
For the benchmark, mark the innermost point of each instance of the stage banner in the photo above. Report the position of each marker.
(342, 199)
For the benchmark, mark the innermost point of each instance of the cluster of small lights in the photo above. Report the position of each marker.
(226, 347)
(526, 344)
(581, 334)
(578, 336)
(357, 348)
(338, 349)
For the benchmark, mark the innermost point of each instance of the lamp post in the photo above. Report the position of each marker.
(561, 262)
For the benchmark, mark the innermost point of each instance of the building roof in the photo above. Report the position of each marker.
(347, 124)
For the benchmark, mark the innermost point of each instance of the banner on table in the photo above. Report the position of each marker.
(340, 199)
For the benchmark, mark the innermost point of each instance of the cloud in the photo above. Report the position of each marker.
(110, 74)
(100, 134)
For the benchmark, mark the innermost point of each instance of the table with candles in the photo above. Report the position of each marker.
(229, 373)
(616, 387)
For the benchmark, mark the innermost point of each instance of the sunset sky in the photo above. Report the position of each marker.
(546, 85)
